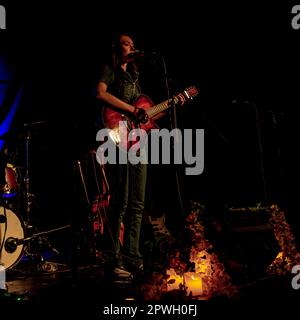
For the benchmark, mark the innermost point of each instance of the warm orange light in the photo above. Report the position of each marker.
(174, 280)
(193, 282)
(279, 256)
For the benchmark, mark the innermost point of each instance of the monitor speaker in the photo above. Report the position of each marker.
(246, 241)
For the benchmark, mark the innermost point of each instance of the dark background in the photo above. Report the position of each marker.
(242, 57)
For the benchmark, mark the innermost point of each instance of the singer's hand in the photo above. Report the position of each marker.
(141, 115)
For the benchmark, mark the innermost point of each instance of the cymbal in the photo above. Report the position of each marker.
(16, 131)
(34, 123)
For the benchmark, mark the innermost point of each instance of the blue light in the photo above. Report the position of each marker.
(5, 125)
(6, 78)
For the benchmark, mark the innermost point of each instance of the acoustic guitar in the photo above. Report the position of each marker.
(112, 117)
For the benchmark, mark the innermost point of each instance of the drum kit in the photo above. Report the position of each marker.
(15, 204)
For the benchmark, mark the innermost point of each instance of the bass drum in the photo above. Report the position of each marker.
(11, 226)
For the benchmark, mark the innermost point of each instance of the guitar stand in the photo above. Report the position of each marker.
(96, 201)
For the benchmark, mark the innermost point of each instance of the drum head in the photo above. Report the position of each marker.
(11, 226)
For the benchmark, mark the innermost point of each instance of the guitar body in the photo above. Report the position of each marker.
(112, 117)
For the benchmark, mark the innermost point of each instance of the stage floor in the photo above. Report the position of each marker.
(85, 290)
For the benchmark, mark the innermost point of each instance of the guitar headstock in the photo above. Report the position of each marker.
(187, 94)
(191, 92)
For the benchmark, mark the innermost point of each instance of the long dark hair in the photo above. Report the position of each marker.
(116, 56)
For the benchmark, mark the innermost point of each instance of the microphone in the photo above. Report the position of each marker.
(239, 101)
(11, 244)
(136, 54)
(141, 54)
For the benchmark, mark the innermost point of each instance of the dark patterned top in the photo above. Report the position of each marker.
(127, 89)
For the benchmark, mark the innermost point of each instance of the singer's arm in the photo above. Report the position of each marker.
(111, 100)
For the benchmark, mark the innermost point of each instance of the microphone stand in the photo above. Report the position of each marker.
(12, 243)
(261, 151)
(276, 120)
(173, 125)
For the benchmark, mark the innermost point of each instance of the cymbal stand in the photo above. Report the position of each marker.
(28, 196)
(31, 250)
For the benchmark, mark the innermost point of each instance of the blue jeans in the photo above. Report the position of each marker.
(126, 205)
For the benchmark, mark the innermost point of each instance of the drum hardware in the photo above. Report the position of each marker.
(11, 226)
(27, 193)
(16, 232)
(28, 196)
(12, 243)
(13, 240)
(12, 172)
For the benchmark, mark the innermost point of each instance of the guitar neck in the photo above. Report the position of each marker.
(152, 112)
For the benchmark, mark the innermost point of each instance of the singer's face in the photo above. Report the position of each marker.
(126, 45)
